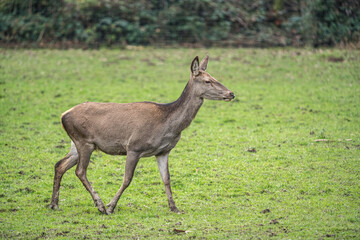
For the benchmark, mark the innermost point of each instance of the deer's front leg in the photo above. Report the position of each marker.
(132, 159)
(162, 161)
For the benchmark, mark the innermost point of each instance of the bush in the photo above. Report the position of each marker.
(336, 21)
(259, 23)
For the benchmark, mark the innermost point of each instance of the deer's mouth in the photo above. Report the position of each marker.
(227, 99)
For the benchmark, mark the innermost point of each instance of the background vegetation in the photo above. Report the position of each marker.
(280, 161)
(89, 23)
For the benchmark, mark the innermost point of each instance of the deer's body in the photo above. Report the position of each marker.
(116, 128)
(141, 129)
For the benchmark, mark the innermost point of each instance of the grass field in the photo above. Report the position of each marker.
(253, 168)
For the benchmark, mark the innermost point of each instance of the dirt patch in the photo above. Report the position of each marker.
(274, 221)
(257, 107)
(180, 231)
(43, 235)
(217, 59)
(161, 58)
(329, 235)
(25, 190)
(115, 61)
(252, 149)
(265, 211)
(148, 61)
(335, 59)
(63, 233)
(241, 60)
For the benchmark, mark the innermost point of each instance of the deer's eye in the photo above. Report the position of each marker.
(207, 81)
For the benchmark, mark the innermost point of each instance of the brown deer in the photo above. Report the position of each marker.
(140, 129)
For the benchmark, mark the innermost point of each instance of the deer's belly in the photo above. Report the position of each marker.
(112, 149)
(157, 151)
(151, 147)
(160, 147)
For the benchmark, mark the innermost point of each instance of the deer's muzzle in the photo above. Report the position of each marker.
(230, 97)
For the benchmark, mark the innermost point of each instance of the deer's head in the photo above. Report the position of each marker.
(205, 85)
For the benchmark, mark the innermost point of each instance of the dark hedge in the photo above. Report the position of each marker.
(166, 22)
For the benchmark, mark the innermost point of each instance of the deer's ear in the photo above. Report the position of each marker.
(195, 66)
(204, 62)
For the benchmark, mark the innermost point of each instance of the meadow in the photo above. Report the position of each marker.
(281, 161)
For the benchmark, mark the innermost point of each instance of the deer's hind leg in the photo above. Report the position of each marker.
(85, 150)
(61, 167)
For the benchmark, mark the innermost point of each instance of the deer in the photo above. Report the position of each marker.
(137, 130)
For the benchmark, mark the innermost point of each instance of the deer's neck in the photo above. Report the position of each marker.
(184, 109)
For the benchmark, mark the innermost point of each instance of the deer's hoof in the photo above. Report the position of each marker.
(100, 205)
(54, 207)
(102, 209)
(174, 209)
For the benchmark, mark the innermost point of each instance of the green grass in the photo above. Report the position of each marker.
(285, 100)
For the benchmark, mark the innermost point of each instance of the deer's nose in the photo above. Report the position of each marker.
(232, 95)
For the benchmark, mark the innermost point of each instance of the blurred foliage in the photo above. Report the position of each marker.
(336, 20)
(158, 22)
